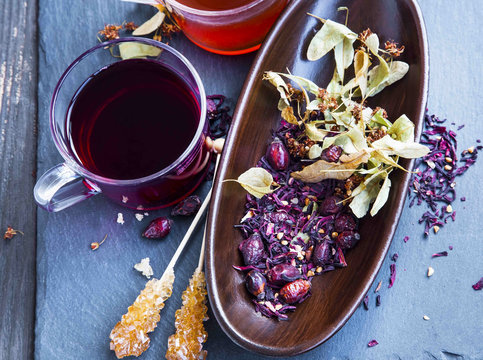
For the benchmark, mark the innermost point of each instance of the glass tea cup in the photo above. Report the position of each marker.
(73, 181)
(230, 30)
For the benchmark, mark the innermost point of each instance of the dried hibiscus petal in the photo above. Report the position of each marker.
(372, 343)
(478, 285)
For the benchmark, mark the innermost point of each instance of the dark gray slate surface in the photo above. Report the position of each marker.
(82, 294)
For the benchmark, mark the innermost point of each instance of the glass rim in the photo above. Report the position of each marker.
(80, 169)
(195, 11)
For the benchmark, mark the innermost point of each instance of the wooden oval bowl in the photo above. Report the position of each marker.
(335, 295)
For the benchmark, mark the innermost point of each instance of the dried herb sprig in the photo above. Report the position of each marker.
(11, 232)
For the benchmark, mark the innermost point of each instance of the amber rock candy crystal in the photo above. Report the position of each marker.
(129, 336)
(187, 342)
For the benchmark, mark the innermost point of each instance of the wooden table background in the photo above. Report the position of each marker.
(59, 300)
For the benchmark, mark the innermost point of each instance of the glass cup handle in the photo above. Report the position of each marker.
(60, 187)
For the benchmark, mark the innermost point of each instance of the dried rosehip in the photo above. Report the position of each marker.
(322, 254)
(158, 228)
(295, 291)
(348, 239)
(252, 249)
(255, 282)
(331, 205)
(187, 207)
(344, 222)
(283, 273)
(332, 153)
(277, 155)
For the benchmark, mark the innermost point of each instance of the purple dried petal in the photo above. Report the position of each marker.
(406, 239)
(372, 343)
(442, 253)
(365, 302)
(478, 285)
(394, 257)
(378, 300)
(463, 198)
(450, 247)
(392, 279)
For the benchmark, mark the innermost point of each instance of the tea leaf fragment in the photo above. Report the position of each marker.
(130, 50)
(408, 150)
(327, 38)
(382, 196)
(402, 129)
(257, 181)
(314, 133)
(377, 76)
(303, 83)
(288, 115)
(366, 192)
(277, 81)
(151, 25)
(344, 55)
(321, 169)
(372, 43)
(397, 70)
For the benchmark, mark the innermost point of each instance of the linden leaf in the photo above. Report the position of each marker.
(377, 76)
(314, 133)
(366, 192)
(288, 115)
(335, 85)
(379, 119)
(129, 50)
(344, 55)
(382, 196)
(408, 150)
(313, 105)
(372, 43)
(327, 38)
(397, 70)
(277, 81)
(402, 129)
(321, 170)
(303, 83)
(256, 181)
(315, 151)
(361, 69)
(151, 25)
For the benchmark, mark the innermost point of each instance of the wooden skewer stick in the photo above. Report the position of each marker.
(194, 223)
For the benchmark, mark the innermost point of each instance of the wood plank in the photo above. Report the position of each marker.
(18, 146)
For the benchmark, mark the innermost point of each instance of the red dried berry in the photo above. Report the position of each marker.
(187, 207)
(348, 239)
(332, 153)
(255, 282)
(277, 155)
(252, 249)
(158, 228)
(283, 273)
(295, 291)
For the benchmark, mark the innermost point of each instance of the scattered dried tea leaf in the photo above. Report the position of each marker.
(478, 285)
(144, 267)
(372, 43)
(130, 50)
(321, 169)
(11, 232)
(442, 253)
(315, 151)
(95, 245)
(392, 267)
(151, 25)
(372, 343)
(303, 83)
(365, 194)
(257, 181)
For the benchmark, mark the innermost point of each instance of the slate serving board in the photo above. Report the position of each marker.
(82, 294)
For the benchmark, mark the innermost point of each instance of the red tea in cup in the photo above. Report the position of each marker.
(132, 129)
(227, 27)
(132, 119)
